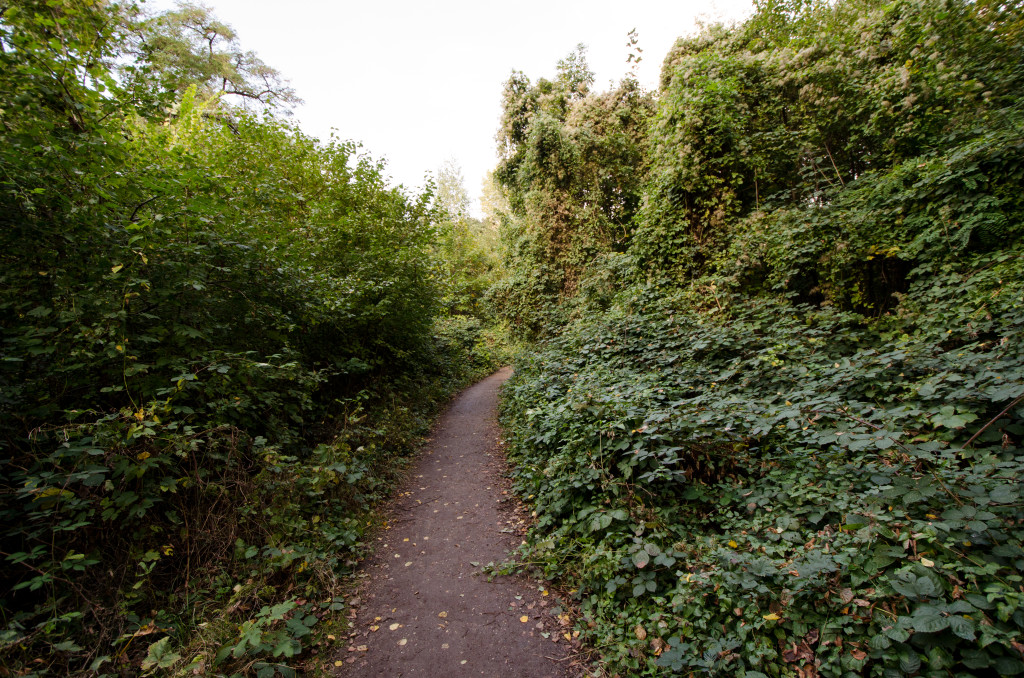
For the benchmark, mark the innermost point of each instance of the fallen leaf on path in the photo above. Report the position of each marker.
(442, 615)
(524, 619)
(403, 641)
(374, 628)
(394, 627)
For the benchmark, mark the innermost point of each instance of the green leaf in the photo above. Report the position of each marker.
(910, 662)
(929, 620)
(964, 628)
(600, 521)
(159, 655)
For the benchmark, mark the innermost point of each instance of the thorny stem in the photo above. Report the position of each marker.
(992, 421)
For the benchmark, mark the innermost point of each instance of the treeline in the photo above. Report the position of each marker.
(219, 338)
(772, 424)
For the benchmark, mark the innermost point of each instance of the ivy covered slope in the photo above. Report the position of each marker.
(218, 338)
(781, 433)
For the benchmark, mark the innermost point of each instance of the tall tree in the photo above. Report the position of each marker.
(190, 46)
(452, 196)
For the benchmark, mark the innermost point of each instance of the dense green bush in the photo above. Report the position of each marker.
(783, 435)
(218, 342)
(783, 486)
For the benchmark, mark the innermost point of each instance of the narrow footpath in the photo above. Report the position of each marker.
(426, 609)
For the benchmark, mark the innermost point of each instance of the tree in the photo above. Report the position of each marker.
(467, 258)
(190, 46)
(573, 166)
(451, 196)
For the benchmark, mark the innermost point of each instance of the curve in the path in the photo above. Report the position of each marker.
(426, 610)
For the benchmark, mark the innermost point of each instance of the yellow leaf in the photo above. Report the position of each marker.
(567, 636)
(524, 619)
(733, 544)
(771, 617)
(339, 663)
(927, 563)
(115, 269)
(442, 615)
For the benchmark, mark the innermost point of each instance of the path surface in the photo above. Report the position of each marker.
(426, 610)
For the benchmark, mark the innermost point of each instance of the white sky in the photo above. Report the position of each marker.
(420, 82)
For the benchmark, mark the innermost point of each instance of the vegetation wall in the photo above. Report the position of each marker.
(773, 426)
(220, 337)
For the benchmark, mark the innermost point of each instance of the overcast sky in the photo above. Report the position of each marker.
(420, 82)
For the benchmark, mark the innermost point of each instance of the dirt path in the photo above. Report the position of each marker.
(426, 610)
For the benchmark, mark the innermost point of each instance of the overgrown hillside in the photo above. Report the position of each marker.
(772, 425)
(219, 339)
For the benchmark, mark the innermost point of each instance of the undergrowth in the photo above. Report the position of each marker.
(783, 489)
(156, 528)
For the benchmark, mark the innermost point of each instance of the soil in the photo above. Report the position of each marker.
(427, 609)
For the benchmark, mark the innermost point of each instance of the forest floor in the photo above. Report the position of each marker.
(425, 607)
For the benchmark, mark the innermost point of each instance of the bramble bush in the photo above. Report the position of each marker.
(782, 435)
(780, 487)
